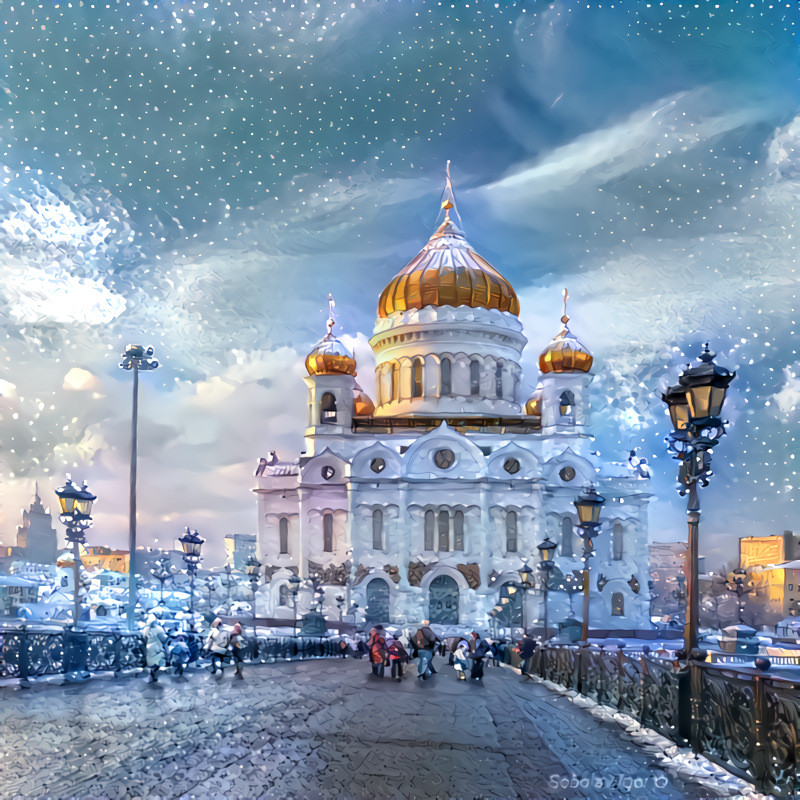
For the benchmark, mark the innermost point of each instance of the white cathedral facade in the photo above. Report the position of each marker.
(425, 503)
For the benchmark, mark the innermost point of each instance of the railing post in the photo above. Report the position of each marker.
(23, 659)
(620, 674)
(760, 758)
(117, 654)
(542, 656)
(642, 693)
(579, 662)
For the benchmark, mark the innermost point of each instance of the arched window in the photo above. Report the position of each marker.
(566, 403)
(395, 381)
(430, 524)
(444, 531)
(377, 529)
(566, 536)
(327, 533)
(474, 377)
(458, 530)
(617, 541)
(283, 535)
(447, 377)
(498, 381)
(617, 605)
(416, 377)
(283, 595)
(511, 532)
(327, 408)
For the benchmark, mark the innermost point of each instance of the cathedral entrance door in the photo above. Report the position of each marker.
(443, 598)
(377, 602)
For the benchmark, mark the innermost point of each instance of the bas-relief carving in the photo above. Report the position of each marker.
(416, 572)
(392, 572)
(472, 573)
(333, 574)
(270, 570)
(361, 573)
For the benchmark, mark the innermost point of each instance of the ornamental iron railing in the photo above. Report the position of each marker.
(749, 719)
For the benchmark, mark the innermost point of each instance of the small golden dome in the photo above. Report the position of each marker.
(362, 404)
(533, 408)
(448, 272)
(330, 356)
(565, 353)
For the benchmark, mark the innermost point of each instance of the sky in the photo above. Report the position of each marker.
(198, 176)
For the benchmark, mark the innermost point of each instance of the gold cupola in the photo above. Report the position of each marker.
(362, 403)
(448, 272)
(565, 353)
(533, 408)
(330, 356)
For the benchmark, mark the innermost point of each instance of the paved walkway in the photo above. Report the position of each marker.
(316, 729)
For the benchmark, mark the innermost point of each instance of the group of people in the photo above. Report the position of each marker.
(181, 649)
(466, 654)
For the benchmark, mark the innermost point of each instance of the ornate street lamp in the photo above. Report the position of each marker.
(161, 572)
(340, 605)
(525, 583)
(228, 584)
(192, 545)
(695, 405)
(76, 509)
(695, 408)
(252, 567)
(136, 357)
(294, 588)
(588, 506)
(546, 551)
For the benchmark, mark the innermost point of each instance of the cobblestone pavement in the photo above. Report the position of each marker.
(316, 729)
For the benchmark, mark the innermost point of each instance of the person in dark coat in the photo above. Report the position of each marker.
(478, 651)
(397, 655)
(525, 649)
(377, 650)
(425, 640)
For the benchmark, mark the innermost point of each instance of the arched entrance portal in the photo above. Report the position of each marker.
(443, 599)
(377, 602)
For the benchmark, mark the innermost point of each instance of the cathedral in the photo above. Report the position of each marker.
(424, 502)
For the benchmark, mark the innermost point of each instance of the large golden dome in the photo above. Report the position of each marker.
(565, 353)
(448, 272)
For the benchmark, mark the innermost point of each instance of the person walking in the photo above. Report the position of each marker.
(217, 645)
(179, 653)
(397, 657)
(478, 651)
(155, 653)
(425, 640)
(525, 649)
(238, 647)
(377, 650)
(460, 655)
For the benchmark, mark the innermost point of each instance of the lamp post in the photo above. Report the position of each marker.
(340, 605)
(192, 544)
(546, 550)
(161, 572)
(228, 583)
(588, 506)
(76, 509)
(695, 404)
(252, 567)
(136, 357)
(525, 583)
(294, 588)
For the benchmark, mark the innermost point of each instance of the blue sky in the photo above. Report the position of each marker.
(198, 177)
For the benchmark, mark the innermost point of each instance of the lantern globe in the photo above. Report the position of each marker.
(547, 549)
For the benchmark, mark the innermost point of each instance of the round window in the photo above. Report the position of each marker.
(567, 474)
(328, 472)
(511, 466)
(377, 465)
(444, 458)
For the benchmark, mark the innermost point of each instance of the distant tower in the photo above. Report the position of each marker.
(36, 537)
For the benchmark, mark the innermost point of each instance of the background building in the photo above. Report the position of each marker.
(36, 536)
(425, 502)
(238, 548)
(668, 577)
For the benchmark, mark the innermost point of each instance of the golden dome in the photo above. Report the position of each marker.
(330, 356)
(533, 408)
(565, 353)
(362, 404)
(448, 272)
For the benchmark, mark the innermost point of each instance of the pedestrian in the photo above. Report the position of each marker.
(179, 653)
(155, 654)
(525, 649)
(497, 649)
(460, 659)
(343, 647)
(217, 645)
(479, 648)
(397, 657)
(238, 647)
(377, 650)
(425, 640)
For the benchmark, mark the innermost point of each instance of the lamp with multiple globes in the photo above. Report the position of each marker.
(252, 568)
(588, 506)
(547, 550)
(192, 545)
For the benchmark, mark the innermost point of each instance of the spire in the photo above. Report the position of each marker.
(331, 316)
(565, 317)
(452, 219)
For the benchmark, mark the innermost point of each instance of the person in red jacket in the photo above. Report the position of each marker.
(377, 650)
(397, 655)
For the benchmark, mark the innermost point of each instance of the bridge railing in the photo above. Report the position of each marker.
(26, 653)
(749, 719)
